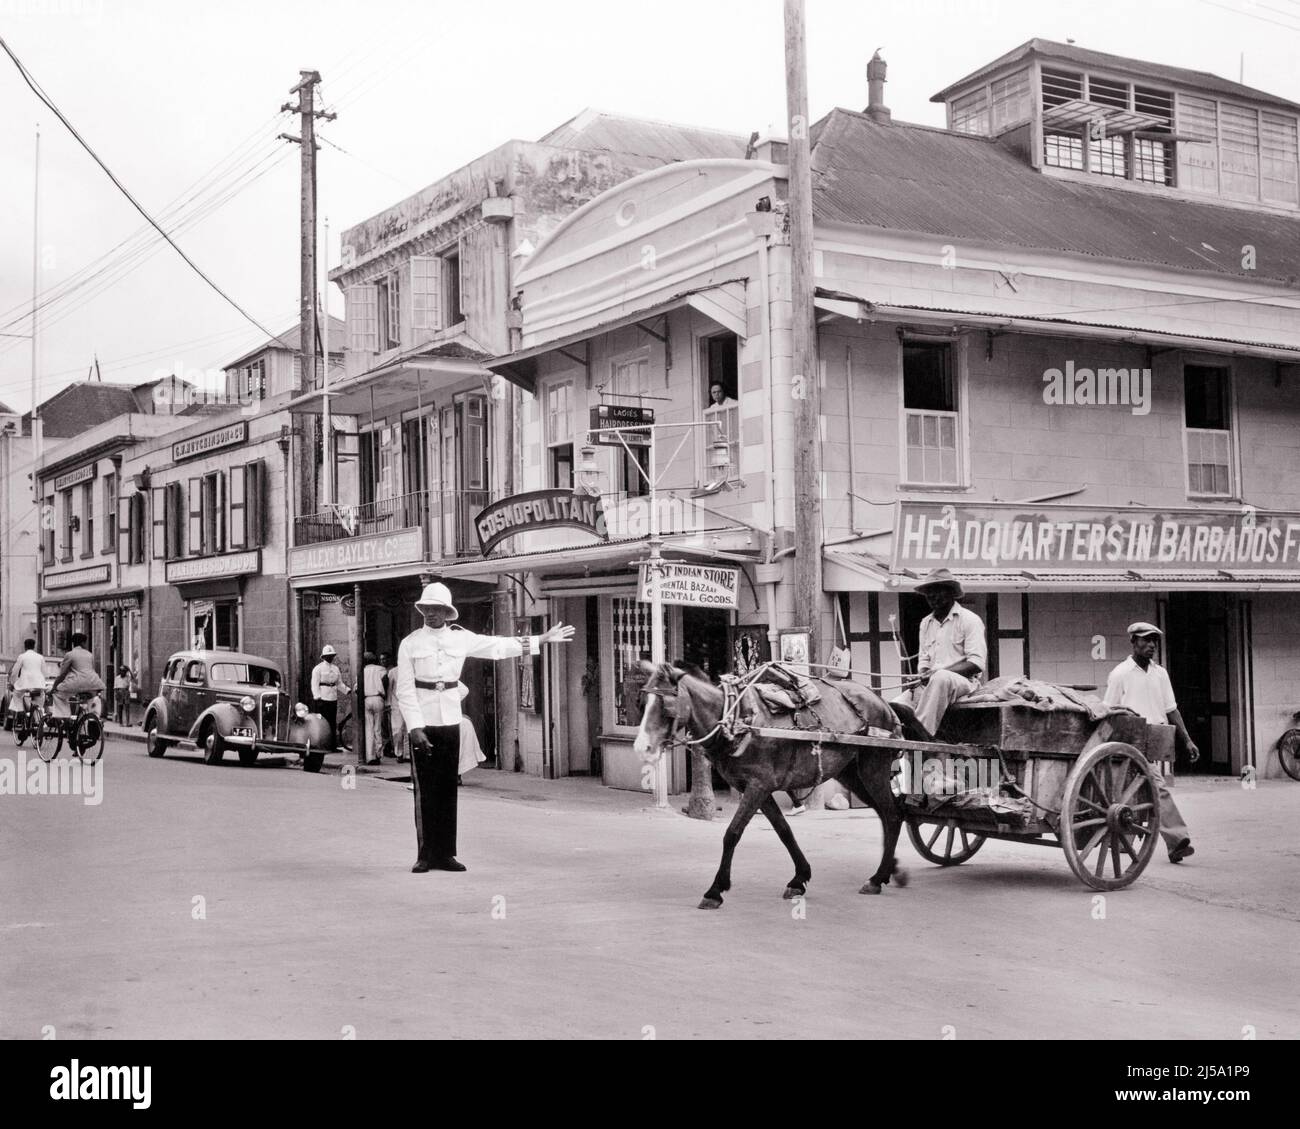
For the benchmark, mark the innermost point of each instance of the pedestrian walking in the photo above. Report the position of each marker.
(429, 663)
(1142, 685)
(374, 684)
(326, 686)
(396, 724)
(122, 695)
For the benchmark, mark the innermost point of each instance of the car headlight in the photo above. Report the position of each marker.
(300, 710)
(247, 704)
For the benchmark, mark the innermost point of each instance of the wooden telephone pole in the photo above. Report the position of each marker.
(806, 383)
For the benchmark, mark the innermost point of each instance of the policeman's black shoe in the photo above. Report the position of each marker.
(447, 864)
(420, 866)
(1182, 851)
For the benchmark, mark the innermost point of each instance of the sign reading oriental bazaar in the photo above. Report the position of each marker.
(540, 509)
(1006, 536)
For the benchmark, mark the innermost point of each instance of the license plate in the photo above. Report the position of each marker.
(243, 731)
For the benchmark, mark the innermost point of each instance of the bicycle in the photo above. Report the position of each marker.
(84, 731)
(27, 721)
(1288, 750)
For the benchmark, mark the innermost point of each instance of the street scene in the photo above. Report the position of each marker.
(494, 548)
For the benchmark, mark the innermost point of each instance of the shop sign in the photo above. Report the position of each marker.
(210, 441)
(374, 551)
(81, 474)
(700, 586)
(76, 577)
(621, 415)
(1005, 536)
(540, 509)
(213, 568)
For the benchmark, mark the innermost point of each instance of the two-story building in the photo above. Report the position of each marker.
(421, 432)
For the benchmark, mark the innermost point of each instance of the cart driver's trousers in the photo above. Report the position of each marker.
(433, 772)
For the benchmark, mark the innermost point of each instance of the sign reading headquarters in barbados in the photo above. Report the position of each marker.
(540, 509)
(1001, 536)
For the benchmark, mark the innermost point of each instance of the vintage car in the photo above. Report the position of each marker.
(218, 700)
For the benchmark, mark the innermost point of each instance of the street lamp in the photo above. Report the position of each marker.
(719, 459)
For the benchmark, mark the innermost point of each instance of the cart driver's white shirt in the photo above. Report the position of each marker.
(959, 638)
(1147, 692)
(437, 654)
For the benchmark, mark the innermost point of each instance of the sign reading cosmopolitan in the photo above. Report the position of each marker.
(540, 509)
(1006, 536)
(700, 586)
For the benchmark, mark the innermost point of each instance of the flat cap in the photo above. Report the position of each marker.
(1141, 628)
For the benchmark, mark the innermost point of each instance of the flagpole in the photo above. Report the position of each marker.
(36, 259)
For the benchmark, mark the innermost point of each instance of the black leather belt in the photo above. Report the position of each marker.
(436, 685)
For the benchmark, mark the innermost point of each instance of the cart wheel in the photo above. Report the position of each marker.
(955, 843)
(1110, 816)
(1288, 753)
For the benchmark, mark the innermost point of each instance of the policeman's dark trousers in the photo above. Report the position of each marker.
(433, 772)
(330, 712)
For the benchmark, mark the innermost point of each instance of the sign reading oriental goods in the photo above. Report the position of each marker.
(1005, 536)
(375, 551)
(198, 445)
(541, 509)
(701, 586)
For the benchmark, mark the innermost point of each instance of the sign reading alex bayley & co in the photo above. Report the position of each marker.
(540, 509)
(375, 551)
(701, 586)
(209, 441)
(1000, 536)
(81, 474)
(214, 568)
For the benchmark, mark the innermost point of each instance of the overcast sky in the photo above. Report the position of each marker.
(166, 92)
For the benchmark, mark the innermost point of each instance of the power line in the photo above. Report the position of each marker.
(35, 88)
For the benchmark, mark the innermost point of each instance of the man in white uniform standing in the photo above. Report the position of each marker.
(953, 652)
(1142, 685)
(429, 663)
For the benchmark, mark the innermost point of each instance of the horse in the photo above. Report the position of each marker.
(681, 698)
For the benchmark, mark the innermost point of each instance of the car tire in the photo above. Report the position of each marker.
(213, 745)
(154, 745)
(247, 756)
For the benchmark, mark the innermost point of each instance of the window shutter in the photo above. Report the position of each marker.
(196, 516)
(220, 522)
(426, 308)
(254, 489)
(362, 313)
(158, 502)
(124, 530)
(238, 510)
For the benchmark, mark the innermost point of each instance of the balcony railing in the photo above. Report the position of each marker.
(445, 516)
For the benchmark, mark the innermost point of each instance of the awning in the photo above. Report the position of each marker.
(861, 309)
(723, 303)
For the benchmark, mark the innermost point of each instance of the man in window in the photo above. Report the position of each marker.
(953, 653)
(1142, 685)
(718, 397)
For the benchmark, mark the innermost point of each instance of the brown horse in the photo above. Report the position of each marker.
(680, 700)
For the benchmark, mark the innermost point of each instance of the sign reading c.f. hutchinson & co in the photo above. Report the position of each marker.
(1001, 536)
(540, 509)
(209, 441)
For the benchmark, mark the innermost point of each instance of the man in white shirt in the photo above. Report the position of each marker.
(374, 684)
(326, 686)
(1142, 685)
(953, 653)
(27, 673)
(429, 663)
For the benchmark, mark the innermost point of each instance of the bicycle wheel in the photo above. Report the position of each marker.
(88, 738)
(1288, 753)
(47, 737)
(20, 728)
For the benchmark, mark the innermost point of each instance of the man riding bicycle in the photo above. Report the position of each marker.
(76, 675)
(27, 677)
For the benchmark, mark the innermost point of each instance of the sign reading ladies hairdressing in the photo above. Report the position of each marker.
(540, 509)
(1005, 536)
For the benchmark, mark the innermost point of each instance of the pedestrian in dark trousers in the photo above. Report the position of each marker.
(429, 663)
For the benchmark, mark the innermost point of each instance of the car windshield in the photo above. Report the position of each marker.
(245, 674)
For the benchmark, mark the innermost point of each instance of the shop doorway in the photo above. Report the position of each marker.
(706, 642)
(1198, 655)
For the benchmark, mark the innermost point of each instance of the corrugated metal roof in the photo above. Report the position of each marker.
(957, 186)
(596, 130)
(1138, 68)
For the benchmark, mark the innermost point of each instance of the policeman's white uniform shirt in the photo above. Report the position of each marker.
(437, 654)
(28, 672)
(1147, 692)
(326, 681)
(960, 637)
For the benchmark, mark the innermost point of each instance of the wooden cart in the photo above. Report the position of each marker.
(1046, 778)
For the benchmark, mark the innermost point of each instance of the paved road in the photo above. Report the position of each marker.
(577, 918)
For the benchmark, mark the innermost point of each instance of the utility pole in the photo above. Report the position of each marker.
(806, 386)
(307, 327)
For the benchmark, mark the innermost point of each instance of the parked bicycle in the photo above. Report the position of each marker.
(27, 721)
(83, 731)
(1288, 750)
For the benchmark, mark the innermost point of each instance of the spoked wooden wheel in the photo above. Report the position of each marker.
(1110, 816)
(1288, 753)
(943, 843)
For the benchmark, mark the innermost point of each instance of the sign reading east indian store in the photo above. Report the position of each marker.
(375, 551)
(1006, 536)
(540, 509)
(701, 586)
